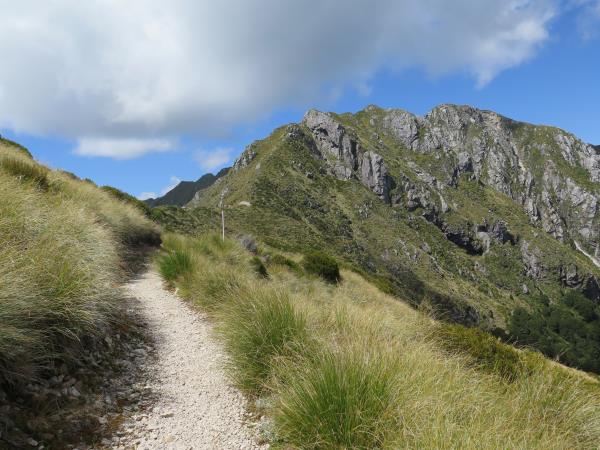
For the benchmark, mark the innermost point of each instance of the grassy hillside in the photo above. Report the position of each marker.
(342, 365)
(65, 245)
(449, 263)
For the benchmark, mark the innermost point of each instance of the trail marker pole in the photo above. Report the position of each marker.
(222, 206)
(223, 224)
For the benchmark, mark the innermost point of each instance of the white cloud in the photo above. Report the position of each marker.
(125, 148)
(174, 181)
(588, 22)
(214, 158)
(146, 195)
(154, 69)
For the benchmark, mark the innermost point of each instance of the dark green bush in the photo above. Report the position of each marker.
(174, 264)
(25, 170)
(486, 350)
(567, 331)
(283, 261)
(322, 265)
(586, 308)
(259, 267)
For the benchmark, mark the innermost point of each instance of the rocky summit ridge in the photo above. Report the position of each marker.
(487, 147)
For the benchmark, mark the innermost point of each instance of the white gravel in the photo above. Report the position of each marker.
(196, 407)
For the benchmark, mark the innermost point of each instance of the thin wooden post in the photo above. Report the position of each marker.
(223, 223)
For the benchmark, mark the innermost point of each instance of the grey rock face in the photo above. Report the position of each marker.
(333, 142)
(402, 125)
(374, 175)
(570, 276)
(497, 232)
(345, 157)
(488, 145)
(245, 158)
(524, 162)
(531, 261)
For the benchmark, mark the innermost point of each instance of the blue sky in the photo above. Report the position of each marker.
(150, 101)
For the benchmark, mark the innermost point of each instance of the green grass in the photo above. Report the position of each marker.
(174, 264)
(63, 251)
(25, 169)
(346, 366)
(338, 399)
(259, 325)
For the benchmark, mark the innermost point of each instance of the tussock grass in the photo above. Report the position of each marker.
(486, 350)
(125, 220)
(259, 267)
(61, 252)
(14, 147)
(128, 198)
(260, 324)
(344, 366)
(342, 398)
(174, 264)
(25, 169)
(283, 261)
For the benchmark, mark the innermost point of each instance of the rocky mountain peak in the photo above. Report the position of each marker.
(341, 148)
(546, 170)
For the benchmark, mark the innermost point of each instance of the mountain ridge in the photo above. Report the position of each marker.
(184, 192)
(469, 214)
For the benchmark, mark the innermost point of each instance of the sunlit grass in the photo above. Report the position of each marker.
(346, 366)
(61, 254)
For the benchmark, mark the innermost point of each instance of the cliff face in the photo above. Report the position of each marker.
(551, 174)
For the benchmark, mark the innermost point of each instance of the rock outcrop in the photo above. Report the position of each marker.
(548, 171)
(374, 175)
(245, 158)
(344, 155)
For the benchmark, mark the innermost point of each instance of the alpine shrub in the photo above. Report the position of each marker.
(322, 265)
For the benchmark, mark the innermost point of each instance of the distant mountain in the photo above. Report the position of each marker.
(184, 192)
(481, 219)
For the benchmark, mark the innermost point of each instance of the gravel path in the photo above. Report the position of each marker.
(196, 407)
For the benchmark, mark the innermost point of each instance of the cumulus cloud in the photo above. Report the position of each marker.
(214, 158)
(124, 148)
(146, 195)
(588, 22)
(100, 72)
(174, 181)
